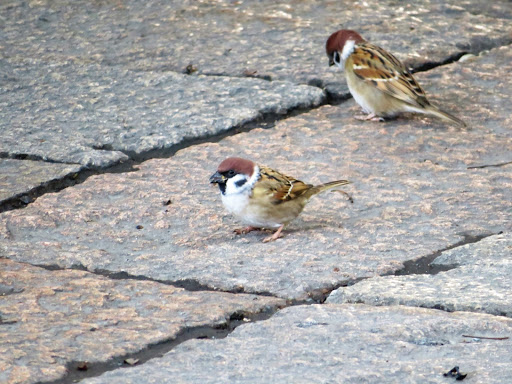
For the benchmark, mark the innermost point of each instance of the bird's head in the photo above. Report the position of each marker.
(234, 175)
(340, 46)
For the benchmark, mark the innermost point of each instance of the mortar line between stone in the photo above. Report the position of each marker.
(189, 285)
(269, 119)
(152, 351)
(422, 266)
(31, 157)
(220, 331)
(80, 370)
(266, 120)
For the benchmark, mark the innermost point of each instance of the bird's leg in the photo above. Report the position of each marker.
(243, 231)
(277, 234)
(371, 117)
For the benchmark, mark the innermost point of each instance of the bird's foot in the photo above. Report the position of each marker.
(243, 231)
(275, 236)
(371, 117)
(346, 194)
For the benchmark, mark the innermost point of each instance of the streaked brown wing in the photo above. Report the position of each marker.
(279, 187)
(384, 71)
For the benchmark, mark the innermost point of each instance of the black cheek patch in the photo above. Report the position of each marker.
(336, 58)
(239, 183)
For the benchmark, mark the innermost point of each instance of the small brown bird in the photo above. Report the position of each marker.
(377, 80)
(261, 197)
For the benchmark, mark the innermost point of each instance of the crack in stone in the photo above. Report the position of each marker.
(265, 120)
(490, 165)
(314, 296)
(32, 157)
(428, 65)
(190, 285)
(159, 349)
(6, 290)
(422, 266)
(21, 200)
(241, 76)
(76, 371)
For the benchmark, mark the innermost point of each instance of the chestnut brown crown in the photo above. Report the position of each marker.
(237, 164)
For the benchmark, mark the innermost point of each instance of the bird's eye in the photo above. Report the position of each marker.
(231, 173)
(336, 57)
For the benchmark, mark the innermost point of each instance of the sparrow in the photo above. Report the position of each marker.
(377, 80)
(261, 197)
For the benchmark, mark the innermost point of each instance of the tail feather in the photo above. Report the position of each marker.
(444, 115)
(324, 187)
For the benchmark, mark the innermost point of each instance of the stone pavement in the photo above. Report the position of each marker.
(117, 261)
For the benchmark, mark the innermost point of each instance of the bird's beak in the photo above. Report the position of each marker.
(331, 62)
(217, 178)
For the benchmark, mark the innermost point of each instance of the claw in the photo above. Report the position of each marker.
(243, 231)
(371, 117)
(346, 194)
(275, 236)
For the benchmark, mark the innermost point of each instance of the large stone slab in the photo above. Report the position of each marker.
(480, 283)
(414, 186)
(96, 116)
(51, 318)
(339, 344)
(246, 38)
(22, 176)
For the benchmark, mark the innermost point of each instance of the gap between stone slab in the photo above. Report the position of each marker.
(420, 266)
(315, 296)
(22, 200)
(266, 121)
(190, 285)
(28, 156)
(423, 265)
(490, 165)
(80, 370)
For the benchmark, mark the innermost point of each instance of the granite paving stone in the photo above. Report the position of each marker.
(415, 192)
(91, 84)
(21, 176)
(480, 282)
(339, 344)
(246, 38)
(49, 319)
(97, 116)
(95, 82)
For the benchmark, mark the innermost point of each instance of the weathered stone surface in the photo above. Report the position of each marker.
(413, 186)
(264, 38)
(21, 176)
(339, 344)
(50, 318)
(480, 283)
(93, 115)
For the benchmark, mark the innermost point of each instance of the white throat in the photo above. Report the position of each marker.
(348, 48)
